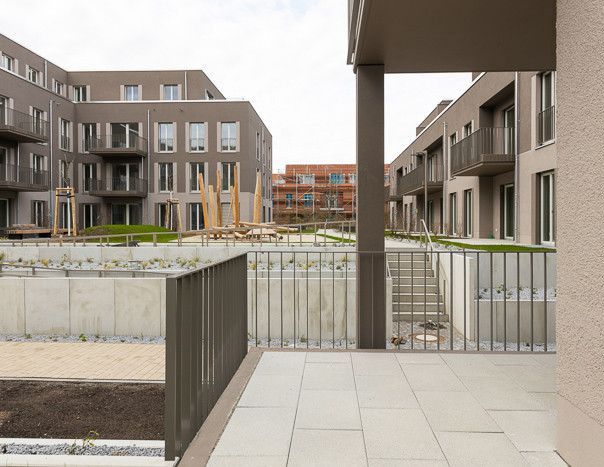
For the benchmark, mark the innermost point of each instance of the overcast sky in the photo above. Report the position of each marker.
(288, 57)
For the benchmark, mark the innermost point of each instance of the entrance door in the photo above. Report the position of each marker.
(124, 176)
(547, 208)
(468, 213)
(3, 213)
(508, 212)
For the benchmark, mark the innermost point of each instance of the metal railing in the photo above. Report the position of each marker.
(546, 125)
(117, 142)
(18, 176)
(465, 300)
(481, 144)
(416, 179)
(22, 122)
(206, 342)
(117, 184)
(65, 142)
(8, 268)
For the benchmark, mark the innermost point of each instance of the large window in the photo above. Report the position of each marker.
(306, 179)
(125, 177)
(89, 135)
(64, 174)
(89, 176)
(166, 137)
(289, 198)
(8, 62)
(170, 92)
(197, 137)
(4, 213)
(228, 175)
(80, 93)
(547, 220)
(3, 109)
(196, 216)
(37, 214)
(197, 169)
(64, 140)
(453, 213)
(131, 92)
(228, 135)
(124, 135)
(166, 177)
(546, 116)
(508, 212)
(90, 215)
(467, 212)
(509, 123)
(38, 119)
(125, 214)
(336, 178)
(308, 201)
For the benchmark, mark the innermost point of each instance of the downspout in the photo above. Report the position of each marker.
(45, 74)
(149, 164)
(18, 173)
(516, 158)
(186, 87)
(50, 164)
(446, 155)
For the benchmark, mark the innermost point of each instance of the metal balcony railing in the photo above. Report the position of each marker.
(116, 144)
(23, 178)
(414, 180)
(117, 186)
(546, 125)
(65, 142)
(484, 146)
(22, 126)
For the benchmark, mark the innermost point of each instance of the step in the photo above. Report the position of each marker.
(418, 297)
(418, 307)
(417, 281)
(416, 272)
(404, 264)
(417, 318)
(418, 288)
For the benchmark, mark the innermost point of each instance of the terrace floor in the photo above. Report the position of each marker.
(393, 409)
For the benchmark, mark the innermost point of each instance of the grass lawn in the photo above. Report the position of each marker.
(496, 248)
(130, 229)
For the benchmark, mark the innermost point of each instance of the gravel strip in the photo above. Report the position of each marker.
(84, 338)
(75, 449)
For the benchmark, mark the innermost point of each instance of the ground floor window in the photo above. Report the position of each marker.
(508, 212)
(125, 214)
(289, 198)
(430, 216)
(38, 209)
(453, 213)
(162, 209)
(467, 196)
(3, 213)
(90, 215)
(195, 216)
(547, 201)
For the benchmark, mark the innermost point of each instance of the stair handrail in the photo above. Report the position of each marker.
(427, 236)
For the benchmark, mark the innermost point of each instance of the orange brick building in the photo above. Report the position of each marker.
(307, 192)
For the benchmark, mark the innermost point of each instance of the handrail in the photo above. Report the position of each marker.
(427, 236)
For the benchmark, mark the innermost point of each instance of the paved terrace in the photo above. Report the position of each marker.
(387, 409)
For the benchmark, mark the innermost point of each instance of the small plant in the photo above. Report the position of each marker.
(83, 337)
(20, 260)
(45, 262)
(90, 260)
(253, 265)
(303, 339)
(87, 441)
(1, 256)
(28, 336)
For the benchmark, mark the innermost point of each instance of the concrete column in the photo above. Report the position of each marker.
(371, 267)
(579, 187)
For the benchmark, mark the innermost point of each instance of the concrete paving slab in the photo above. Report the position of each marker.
(328, 410)
(528, 430)
(327, 448)
(479, 449)
(432, 378)
(385, 392)
(328, 377)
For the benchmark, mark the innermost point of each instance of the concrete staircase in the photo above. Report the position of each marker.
(414, 288)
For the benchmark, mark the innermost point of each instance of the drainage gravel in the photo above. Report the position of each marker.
(74, 449)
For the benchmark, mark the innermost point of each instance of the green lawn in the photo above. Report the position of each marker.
(130, 229)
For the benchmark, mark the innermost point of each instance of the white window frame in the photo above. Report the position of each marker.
(38, 162)
(194, 174)
(92, 175)
(505, 212)
(8, 62)
(232, 126)
(59, 88)
(172, 88)
(88, 134)
(230, 174)
(468, 129)
(33, 75)
(90, 208)
(453, 212)
(167, 167)
(468, 213)
(552, 209)
(64, 132)
(199, 213)
(192, 137)
(38, 213)
(131, 97)
(161, 137)
(80, 93)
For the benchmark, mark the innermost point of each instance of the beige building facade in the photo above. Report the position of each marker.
(483, 165)
(126, 141)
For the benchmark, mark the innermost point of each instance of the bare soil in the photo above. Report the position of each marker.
(31, 409)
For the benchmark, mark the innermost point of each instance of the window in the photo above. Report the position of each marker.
(89, 176)
(89, 135)
(8, 63)
(352, 179)
(509, 124)
(197, 169)
(166, 181)
(547, 220)
(306, 179)
(228, 134)
(125, 177)
(124, 135)
(33, 75)
(4, 220)
(3, 110)
(547, 90)
(467, 212)
(289, 198)
(257, 146)
(209, 95)
(430, 215)
(508, 212)
(90, 215)
(38, 121)
(467, 129)
(170, 92)
(37, 162)
(64, 140)
(336, 179)
(196, 216)
(228, 175)
(432, 169)
(308, 200)
(197, 137)
(166, 137)
(37, 213)
(125, 214)
(453, 213)
(59, 88)
(546, 116)
(131, 92)
(80, 93)
(453, 139)
(64, 174)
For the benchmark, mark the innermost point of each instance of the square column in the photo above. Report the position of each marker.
(371, 265)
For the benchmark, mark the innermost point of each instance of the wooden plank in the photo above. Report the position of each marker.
(258, 200)
(235, 198)
(204, 204)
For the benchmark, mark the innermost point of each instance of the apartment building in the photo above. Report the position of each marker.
(316, 192)
(484, 165)
(124, 140)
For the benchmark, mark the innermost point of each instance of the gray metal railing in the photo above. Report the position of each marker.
(27, 124)
(117, 184)
(480, 145)
(23, 177)
(117, 142)
(546, 125)
(416, 179)
(206, 342)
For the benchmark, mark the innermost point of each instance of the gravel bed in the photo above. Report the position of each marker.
(340, 264)
(78, 449)
(511, 294)
(84, 338)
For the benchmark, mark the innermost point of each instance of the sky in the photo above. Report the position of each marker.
(288, 57)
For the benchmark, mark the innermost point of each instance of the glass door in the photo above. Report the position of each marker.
(509, 123)
(468, 213)
(118, 214)
(3, 213)
(508, 212)
(547, 208)
(3, 110)
(3, 163)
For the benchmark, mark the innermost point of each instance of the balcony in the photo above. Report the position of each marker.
(546, 125)
(486, 152)
(117, 187)
(413, 183)
(116, 145)
(22, 128)
(19, 178)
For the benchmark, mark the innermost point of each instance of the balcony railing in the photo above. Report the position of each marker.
(413, 182)
(546, 125)
(117, 186)
(487, 151)
(116, 145)
(65, 142)
(19, 178)
(21, 127)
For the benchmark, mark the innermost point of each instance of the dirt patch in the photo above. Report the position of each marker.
(71, 410)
